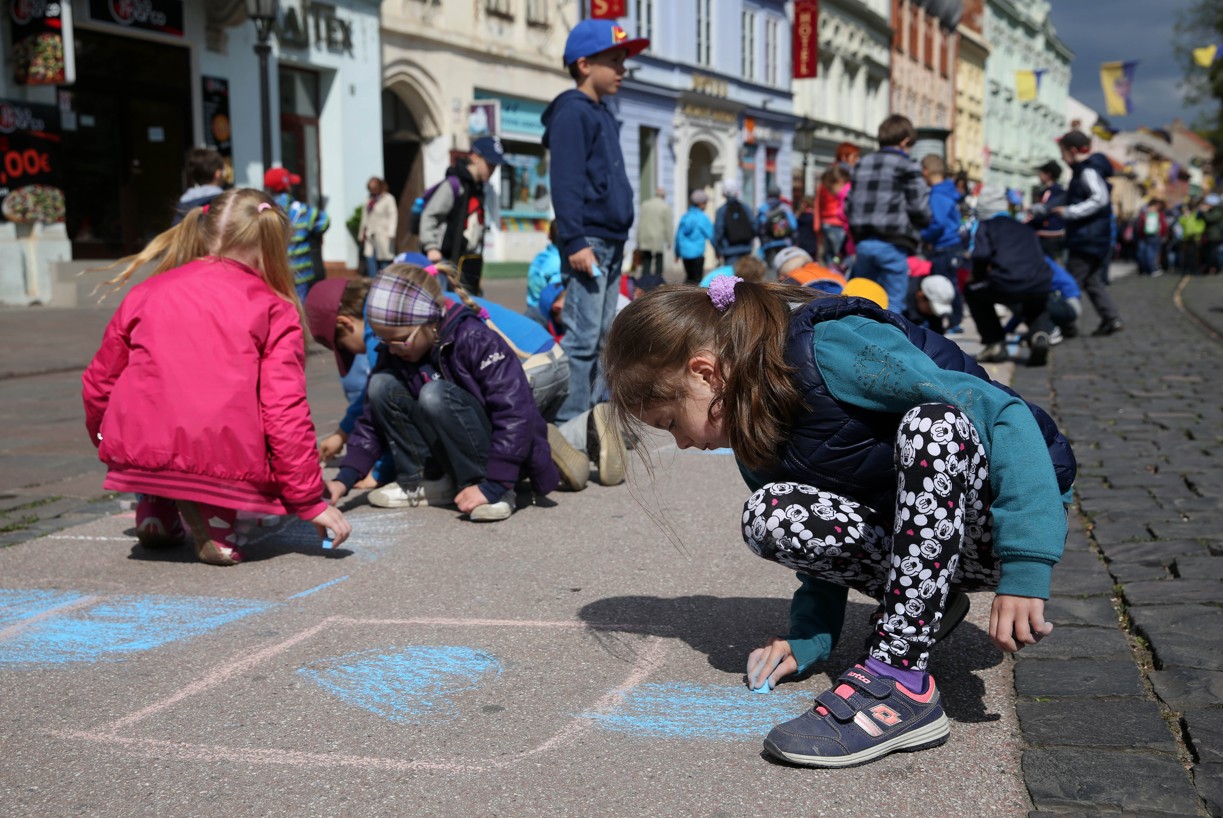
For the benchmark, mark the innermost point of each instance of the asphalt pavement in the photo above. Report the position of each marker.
(586, 656)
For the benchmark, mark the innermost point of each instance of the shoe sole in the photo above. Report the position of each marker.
(611, 457)
(573, 465)
(923, 738)
(490, 517)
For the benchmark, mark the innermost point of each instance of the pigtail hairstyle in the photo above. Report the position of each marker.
(452, 275)
(654, 337)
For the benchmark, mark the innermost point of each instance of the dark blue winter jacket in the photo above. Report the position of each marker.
(590, 189)
(943, 232)
(849, 450)
(1089, 234)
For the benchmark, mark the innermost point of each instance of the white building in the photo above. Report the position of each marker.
(157, 78)
(850, 96)
(1021, 135)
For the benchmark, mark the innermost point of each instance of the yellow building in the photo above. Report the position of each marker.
(966, 147)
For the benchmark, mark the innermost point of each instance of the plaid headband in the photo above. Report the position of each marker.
(396, 302)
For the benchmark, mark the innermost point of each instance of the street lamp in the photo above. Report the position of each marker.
(263, 13)
(804, 143)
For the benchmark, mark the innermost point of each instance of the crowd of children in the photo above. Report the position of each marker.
(941, 481)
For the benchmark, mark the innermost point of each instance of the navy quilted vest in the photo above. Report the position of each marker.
(848, 450)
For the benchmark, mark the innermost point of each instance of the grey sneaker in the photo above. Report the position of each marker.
(574, 466)
(495, 512)
(429, 493)
(604, 445)
(993, 354)
(1038, 344)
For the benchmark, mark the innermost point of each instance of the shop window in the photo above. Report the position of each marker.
(499, 8)
(747, 167)
(704, 32)
(647, 178)
(299, 127)
(770, 168)
(525, 189)
(645, 18)
(537, 12)
(747, 65)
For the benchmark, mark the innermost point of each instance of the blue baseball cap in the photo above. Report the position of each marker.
(591, 37)
(489, 149)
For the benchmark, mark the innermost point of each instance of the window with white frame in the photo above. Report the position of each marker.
(704, 32)
(645, 18)
(499, 7)
(747, 65)
(537, 12)
(770, 51)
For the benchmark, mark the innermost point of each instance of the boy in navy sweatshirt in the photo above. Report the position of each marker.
(591, 196)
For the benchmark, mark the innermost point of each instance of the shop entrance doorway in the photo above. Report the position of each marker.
(402, 162)
(126, 128)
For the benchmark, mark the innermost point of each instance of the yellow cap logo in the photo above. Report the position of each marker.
(618, 34)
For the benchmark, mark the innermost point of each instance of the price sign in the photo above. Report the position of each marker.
(29, 163)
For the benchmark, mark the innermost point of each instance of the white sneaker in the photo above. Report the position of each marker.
(429, 493)
(604, 445)
(1056, 337)
(495, 512)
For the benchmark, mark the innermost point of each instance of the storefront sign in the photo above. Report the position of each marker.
(806, 45)
(519, 117)
(162, 16)
(711, 86)
(43, 52)
(29, 163)
(711, 114)
(218, 132)
(608, 9)
(483, 118)
(297, 27)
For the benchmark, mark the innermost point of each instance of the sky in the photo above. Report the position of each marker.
(1107, 30)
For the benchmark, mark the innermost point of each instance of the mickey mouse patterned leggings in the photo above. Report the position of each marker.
(940, 537)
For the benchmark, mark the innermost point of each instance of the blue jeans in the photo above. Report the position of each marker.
(590, 307)
(445, 429)
(834, 244)
(1148, 254)
(886, 265)
(373, 266)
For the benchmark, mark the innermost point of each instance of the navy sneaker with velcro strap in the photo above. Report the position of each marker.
(864, 717)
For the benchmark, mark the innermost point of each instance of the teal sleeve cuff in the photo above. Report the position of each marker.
(1029, 578)
(809, 651)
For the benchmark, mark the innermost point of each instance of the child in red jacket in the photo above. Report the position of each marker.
(196, 399)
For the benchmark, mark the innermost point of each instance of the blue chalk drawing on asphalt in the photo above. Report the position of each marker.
(718, 712)
(408, 685)
(16, 605)
(318, 588)
(723, 450)
(112, 629)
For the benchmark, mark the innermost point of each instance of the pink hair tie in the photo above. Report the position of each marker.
(432, 270)
(262, 206)
(722, 291)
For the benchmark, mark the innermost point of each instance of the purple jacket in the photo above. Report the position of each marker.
(476, 358)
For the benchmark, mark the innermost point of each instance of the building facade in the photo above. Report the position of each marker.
(966, 145)
(453, 71)
(710, 101)
(925, 46)
(1020, 135)
(850, 95)
(156, 78)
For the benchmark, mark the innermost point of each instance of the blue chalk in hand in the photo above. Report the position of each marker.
(764, 688)
(595, 272)
(329, 541)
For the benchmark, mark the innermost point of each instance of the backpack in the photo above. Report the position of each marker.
(737, 224)
(1151, 224)
(418, 206)
(777, 224)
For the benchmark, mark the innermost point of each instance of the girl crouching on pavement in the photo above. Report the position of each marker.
(196, 399)
(450, 399)
(882, 459)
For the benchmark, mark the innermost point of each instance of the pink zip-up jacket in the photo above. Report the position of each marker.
(198, 392)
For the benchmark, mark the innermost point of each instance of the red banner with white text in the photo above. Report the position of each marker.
(805, 50)
(608, 9)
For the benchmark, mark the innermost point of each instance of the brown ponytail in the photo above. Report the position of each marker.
(654, 337)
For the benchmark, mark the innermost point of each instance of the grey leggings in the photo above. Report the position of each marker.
(940, 537)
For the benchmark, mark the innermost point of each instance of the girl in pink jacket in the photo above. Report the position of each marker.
(197, 398)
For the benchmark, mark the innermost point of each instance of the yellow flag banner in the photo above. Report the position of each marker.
(1206, 55)
(1117, 81)
(1025, 85)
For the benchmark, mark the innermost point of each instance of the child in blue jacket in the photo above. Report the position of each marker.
(695, 230)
